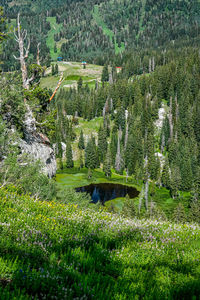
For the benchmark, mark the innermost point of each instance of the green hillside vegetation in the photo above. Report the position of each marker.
(130, 117)
(98, 19)
(55, 28)
(87, 30)
(93, 255)
(72, 72)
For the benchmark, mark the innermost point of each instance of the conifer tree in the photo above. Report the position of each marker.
(91, 155)
(107, 165)
(69, 157)
(165, 177)
(102, 143)
(81, 164)
(53, 70)
(179, 215)
(81, 144)
(129, 209)
(105, 74)
(80, 83)
(56, 70)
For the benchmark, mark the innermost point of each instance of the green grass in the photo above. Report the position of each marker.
(55, 28)
(72, 71)
(51, 250)
(98, 19)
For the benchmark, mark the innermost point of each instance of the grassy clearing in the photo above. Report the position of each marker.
(72, 72)
(52, 250)
(98, 19)
(55, 28)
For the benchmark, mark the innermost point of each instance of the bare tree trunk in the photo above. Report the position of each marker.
(35, 144)
(20, 37)
(149, 65)
(38, 54)
(126, 136)
(177, 112)
(58, 85)
(153, 64)
(171, 120)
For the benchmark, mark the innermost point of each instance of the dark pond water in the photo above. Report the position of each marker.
(107, 191)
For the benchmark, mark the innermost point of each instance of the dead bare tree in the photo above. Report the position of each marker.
(20, 37)
(56, 89)
(38, 54)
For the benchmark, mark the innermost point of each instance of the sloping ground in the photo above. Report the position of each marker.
(72, 72)
(99, 21)
(55, 28)
(57, 251)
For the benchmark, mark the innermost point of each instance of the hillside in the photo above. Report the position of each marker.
(100, 162)
(72, 72)
(53, 250)
(85, 30)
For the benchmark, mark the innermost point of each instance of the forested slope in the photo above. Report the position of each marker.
(89, 31)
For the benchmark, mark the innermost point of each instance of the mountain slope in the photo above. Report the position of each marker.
(87, 30)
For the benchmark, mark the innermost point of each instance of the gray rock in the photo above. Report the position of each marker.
(38, 147)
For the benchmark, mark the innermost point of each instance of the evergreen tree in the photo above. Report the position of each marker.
(56, 70)
(69, 157)
(81, 144)
(105, 74)
(102, 143)
(90, 155)
(107, 165)
(179, 215)
(129, 209)
(175, 181)
(52, 70)
(165, 177)
(81, 164)
(55, 48)
(80, 83)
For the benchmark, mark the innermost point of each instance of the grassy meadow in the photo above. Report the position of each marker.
(72, 71)
(52, 250)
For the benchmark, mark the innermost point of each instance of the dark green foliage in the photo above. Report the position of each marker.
(165, 177)
(56, 69)
(80, 83)
(91, 155)
(53, 70)
(179, 215)
(69, 157)
(107, 165)
(129, 209)
(105, 74)
(81, 144)
(102, 144)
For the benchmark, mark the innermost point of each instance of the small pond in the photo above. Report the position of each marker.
(107, 191)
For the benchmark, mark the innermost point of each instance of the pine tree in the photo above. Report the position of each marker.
(80, 83)
(105, 74)
(175, 181)
(102, 144)
(90, 155)
(107, 165)
(129, 209)
(165, 177)
(69, 157)
(52, 70)
(55, 48)
(81, 144)
(179, 215)
(56, 69)
(81, 164)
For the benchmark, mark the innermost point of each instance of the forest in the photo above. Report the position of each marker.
(128, 116)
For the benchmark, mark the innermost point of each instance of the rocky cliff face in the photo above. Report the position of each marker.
(38, 148)
(37, 145)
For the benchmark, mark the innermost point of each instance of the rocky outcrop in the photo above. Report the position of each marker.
(39, 148)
